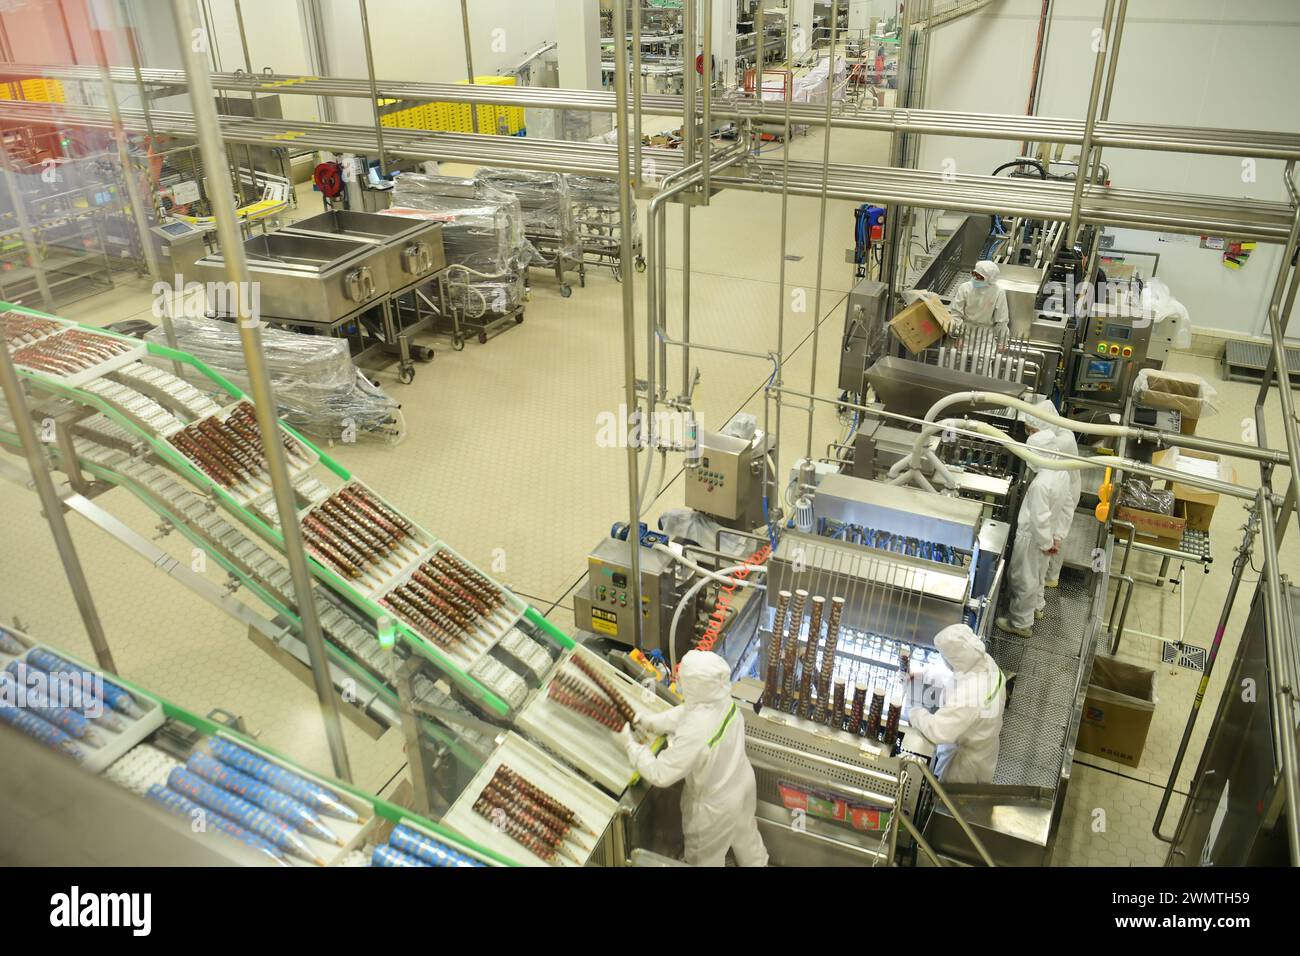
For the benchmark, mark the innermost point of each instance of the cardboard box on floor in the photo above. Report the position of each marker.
(1197, 504)
(1117, 711)
(922, 323)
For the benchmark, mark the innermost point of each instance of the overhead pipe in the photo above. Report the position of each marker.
(1090, 123)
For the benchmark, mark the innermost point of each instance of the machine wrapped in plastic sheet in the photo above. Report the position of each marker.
(317, 388)
(547, 212)
(596, 216)
(482, 234)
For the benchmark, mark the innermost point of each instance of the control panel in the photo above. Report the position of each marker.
(1114, 346)
(605, 605)
(727, 481)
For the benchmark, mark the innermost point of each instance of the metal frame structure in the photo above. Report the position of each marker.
(691, 180)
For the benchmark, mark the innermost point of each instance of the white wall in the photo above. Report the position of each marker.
(424, 41)
(1195, 62)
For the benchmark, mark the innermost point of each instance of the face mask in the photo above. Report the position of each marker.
(979, 283)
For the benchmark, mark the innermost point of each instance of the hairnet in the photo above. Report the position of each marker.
(988, 269)
(704, 677)
(960, 646)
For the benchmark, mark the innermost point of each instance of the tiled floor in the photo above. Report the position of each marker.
(502, 455)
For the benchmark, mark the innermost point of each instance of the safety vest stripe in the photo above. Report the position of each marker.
(726, 722)
(996, 688)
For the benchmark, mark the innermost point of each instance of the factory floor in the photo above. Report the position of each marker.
(502, 460)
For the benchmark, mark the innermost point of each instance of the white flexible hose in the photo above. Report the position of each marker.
(690, 593)
(719, 576)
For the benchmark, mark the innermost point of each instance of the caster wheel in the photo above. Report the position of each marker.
(640, 263)
(566, 291)
(519, 319)
(458, 343)
(407, 375)
(482, 338)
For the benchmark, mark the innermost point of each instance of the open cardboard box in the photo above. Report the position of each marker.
(1117, 711)
(1196, 504)
(922, 323)
(1164, 530)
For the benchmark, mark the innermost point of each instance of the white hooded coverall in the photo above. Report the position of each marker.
(983, 306)
(706, 747)
(1036, 531)
(1065, 443)
(966, 727)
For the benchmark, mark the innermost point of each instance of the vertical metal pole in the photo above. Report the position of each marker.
(469, 61)
(374, 85)
(50, 503)
(1239, 566)
(1276, 640)
(1090, 123)
(629, 306)
(252, 97)
(134, 49)
(136, 201)
(778, 373)
(620, 39)
(688, 129)
(821, 221)
(706, 143)
(1110, 78)
(411, 731)
(317, 53)
(209, 136)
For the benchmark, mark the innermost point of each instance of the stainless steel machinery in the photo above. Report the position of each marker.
(307, 280)
(727, 481)
(865, 332)
(409, 250)
(604, 605)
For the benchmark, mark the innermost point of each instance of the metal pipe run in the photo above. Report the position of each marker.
(374, 84)
(821, 217)
(1277, 635)
(223, 208)
(469, 61)
(1090, 124)
(629, 304)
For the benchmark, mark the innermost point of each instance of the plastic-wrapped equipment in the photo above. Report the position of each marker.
(596, 216)
(1183, 392)
(1138, 493)
(317, 388)
(482, 235)
(546, 208)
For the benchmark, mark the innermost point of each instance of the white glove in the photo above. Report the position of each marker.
(628, 741)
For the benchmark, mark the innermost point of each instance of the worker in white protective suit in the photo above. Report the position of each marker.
(971, 697)
(981, 304)
(1066, 444)
(706, 748)
(1037, 538)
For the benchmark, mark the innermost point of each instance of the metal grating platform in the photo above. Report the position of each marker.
(1046, 669)
(1246, 361)
(1186, 655)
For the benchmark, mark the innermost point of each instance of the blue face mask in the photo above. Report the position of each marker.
(979, 283)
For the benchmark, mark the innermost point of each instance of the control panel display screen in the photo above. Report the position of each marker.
(1101, 368)
(1119, 332)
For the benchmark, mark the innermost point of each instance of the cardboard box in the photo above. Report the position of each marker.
(1195, 504)
(1117, 711)
(1183, 395)
(1164, 530)
(922, 323)
(1187, 424)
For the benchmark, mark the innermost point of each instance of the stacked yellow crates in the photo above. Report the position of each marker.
(505, 120)
(35, 91)
(455, 117)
